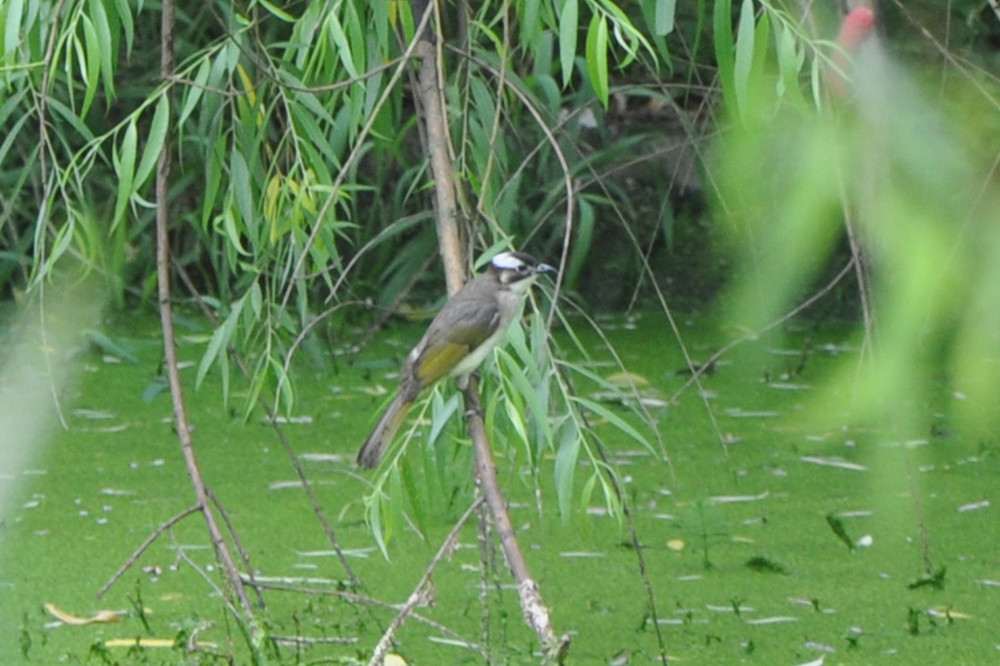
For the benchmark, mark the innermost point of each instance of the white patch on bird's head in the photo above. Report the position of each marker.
(509, 260)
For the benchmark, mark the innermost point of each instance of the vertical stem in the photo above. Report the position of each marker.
(181, 422)
(429, 91)
(536, 615)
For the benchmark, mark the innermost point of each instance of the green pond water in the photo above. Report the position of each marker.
(738, 539)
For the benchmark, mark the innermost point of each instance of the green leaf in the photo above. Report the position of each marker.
(154, 141)
(277, 11)
(394, 517)
(742, 67)
(127, 23)
(109, 346)
(339, 39)
(413, 492)
(195, 91)
(219, 341)
(530, 24)
(581, 246)
(373, 512)
(664, 23)
(241, 187)
(125, 170)
(107, 46)
(615, 420)
(569, 19)
(597, 56)
(565, 467)
(90, 58)
(722, 30)
(12, 26)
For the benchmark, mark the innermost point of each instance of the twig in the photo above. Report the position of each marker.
(144, 545)
(360, 599)
(237, 542)
(753, 335)
(420, 589)
(280, 434)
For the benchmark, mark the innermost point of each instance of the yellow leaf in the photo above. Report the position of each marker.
(272, 195)
(247, 85)
(103, 616)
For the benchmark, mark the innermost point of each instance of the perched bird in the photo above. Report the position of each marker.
(461, 335)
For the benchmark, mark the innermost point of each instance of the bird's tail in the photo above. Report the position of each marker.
(378, 442)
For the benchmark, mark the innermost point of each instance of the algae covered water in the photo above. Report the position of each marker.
(767, 536)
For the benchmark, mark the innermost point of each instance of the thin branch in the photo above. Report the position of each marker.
(361, 599)
(176, 518)
(279, 432)
(420, 590)
(753, 335)
(181, 422)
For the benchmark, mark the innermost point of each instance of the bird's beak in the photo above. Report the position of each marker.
(545, 268)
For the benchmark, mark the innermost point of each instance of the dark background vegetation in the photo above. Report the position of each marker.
(640, 163)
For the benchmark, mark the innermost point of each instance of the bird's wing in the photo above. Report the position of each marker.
(461, 326)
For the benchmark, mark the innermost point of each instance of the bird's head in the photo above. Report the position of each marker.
(518, 270)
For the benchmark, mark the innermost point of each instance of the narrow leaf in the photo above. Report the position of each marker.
(569, 19)
(744, 57)
(597, 56)
(125, 170)
(154, 141)
(12, 26)
(722, 29)
(565, 467)
(664, 23)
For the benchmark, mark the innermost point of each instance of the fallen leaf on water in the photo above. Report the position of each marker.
(103, 616)
(93, 414)
(786, 386)
(837, 462)
(737, 412)
(779, 619)
(815, 662)
(289, 420)
(974, 506)
(948, 613)
(822, 647)
(581, 554)
(626, 378)
(733, 499)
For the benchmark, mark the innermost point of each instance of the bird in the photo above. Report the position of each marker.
(459, 338)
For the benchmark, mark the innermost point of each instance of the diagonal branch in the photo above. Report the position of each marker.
(536, 615)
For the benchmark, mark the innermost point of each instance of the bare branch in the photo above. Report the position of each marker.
(144, 545)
